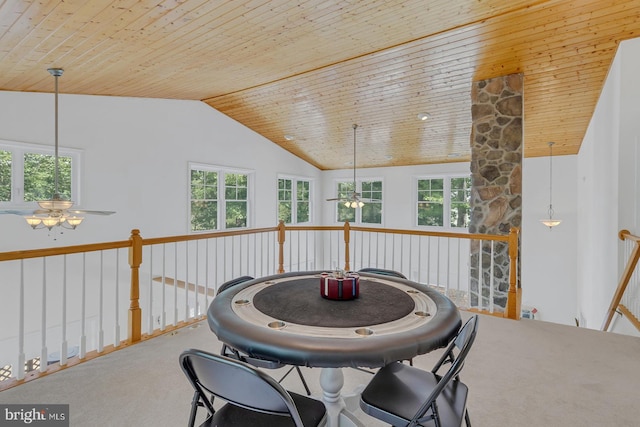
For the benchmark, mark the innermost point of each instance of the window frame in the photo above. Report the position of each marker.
(358, 210)
(446, 200)
(221, 215)
(294, 197)
(18, 150)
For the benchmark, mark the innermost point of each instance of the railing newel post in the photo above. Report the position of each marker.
(135, 313)
(513, 299)
(281, 240)
(347, 238)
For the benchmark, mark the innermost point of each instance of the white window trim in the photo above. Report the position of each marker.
(359, 182)
(446, 209)
(294, 201)
(17, 170)
(222, 207)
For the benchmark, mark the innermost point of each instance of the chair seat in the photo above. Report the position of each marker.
(311, 411)
(397, 392)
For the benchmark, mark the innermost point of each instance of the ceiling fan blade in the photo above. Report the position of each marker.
(85, 211)
(336, 199)
(18, 212)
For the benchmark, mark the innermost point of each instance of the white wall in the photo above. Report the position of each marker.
(549, 257)
(135, 161)
(608, 185)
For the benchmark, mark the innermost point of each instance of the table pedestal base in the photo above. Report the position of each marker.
(340, 409)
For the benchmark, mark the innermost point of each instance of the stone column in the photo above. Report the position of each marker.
(496, 173)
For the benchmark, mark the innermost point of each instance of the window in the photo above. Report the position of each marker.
(371, 196)
(443, 201)
(27, 173)
(219, 198)
(294, 196)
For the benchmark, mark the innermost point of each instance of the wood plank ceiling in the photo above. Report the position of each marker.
(311, 69)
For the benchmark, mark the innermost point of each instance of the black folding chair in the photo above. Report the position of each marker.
(403, 395)
(252, 397)
(234, 353)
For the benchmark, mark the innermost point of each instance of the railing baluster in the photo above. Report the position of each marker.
(63, 344)
(101, 307)
(446, 286)
(175, 284)
(43, 343)
(163, 319)
(491, 280)
(117, 307)
(197, 282)
(186, 281)
(83, 310)
(150, 301)
(21, 355)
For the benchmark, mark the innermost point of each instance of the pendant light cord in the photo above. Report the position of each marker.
(550, 179)
(55, 185)
(355, 126)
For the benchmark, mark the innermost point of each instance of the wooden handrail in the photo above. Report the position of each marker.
(65, 250)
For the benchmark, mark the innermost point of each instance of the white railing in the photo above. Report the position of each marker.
(626, 298)
(78, 302)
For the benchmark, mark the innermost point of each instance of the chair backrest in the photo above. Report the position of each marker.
(462, 342)
(233, 282)
(383, 272)
(237, 383)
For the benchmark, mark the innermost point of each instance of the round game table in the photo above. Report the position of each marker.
(285, 318)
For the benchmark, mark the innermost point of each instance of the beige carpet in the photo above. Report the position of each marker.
(520, 373)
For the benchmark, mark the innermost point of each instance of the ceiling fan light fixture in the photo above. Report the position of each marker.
(74, 221)
(54, 212)
(55, 204)
(50, 222)
(33, 221)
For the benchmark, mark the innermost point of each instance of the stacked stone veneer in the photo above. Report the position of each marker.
(496, 172)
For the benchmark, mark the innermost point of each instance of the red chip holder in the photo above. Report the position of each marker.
(340, 288)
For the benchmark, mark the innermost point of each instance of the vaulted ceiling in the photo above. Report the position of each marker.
(309, 70)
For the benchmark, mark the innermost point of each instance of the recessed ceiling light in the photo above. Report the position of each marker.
(423, 116)
(289, 137)
(389, 157)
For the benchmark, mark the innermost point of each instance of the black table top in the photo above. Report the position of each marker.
(299, 301)
(284, 318)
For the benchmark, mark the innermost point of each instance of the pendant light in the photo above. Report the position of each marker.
(551, 221)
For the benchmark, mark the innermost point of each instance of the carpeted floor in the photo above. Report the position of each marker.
(520, 373)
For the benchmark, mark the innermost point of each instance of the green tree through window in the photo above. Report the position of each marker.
(236, 197)
(39, 177)
(444, 202)
(27, 173)
(294, 196)
(219, 198)
(431, 202)
(5, 176)
(460, 199)
(204, 200)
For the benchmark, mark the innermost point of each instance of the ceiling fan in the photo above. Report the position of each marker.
(55, 212)
(352, 201)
